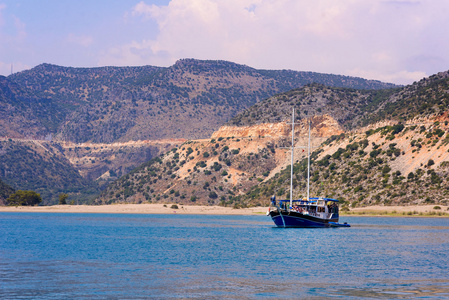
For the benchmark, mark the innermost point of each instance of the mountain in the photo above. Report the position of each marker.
(400, 157)
(17, 116)
(353, 108)
(74, 130)
(189, 100)
(349, 107)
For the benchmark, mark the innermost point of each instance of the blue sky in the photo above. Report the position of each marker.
(398, 41)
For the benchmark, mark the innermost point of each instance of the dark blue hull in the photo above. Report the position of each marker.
(294, 219)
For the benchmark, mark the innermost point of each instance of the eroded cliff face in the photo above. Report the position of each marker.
(104, 162)
(321, 126)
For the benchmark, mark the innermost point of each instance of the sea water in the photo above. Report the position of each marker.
(123, 256)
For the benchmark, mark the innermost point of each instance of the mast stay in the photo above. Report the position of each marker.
(292, 149)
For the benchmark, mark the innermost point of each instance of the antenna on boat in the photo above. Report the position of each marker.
(292, 149)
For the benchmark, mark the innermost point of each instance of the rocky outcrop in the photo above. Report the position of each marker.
(322, 126)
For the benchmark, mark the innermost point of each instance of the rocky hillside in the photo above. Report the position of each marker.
(80, 170)
(17, 117)
(384, 164)
(190, 99)
(401, 159)
(43, 168)
(216, 170)
(388, 163)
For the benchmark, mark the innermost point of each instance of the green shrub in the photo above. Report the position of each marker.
(24, 198)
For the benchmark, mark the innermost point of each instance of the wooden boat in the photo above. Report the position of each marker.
(308, 212)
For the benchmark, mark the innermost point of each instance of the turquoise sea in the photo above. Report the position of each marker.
(122, 256)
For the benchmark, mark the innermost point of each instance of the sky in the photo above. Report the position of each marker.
(398, 41)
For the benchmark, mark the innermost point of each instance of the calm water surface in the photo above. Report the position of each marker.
(110, 256)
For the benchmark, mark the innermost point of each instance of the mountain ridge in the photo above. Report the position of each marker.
(400, 158)
(190, 99)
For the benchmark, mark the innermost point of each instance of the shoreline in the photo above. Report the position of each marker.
(399, 211)
(422, 210)
(138, 209)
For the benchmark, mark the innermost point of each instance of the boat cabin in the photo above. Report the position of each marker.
(323, 208)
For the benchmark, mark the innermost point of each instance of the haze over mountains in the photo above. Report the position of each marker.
(191, 100)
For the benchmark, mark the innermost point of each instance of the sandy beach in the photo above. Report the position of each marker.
(137, 209)
(215, 210)
(402, 210)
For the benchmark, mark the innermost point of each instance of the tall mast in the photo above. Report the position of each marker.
(308, 165)
(292, 153)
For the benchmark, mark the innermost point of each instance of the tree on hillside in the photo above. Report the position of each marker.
(24, 198)
(62, 199)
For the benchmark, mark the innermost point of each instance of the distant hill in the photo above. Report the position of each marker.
(44, 169)
(190, 99)
(348, 106)
(353, 108)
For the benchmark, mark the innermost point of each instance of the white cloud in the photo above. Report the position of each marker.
(340, 37)
(142, 9)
